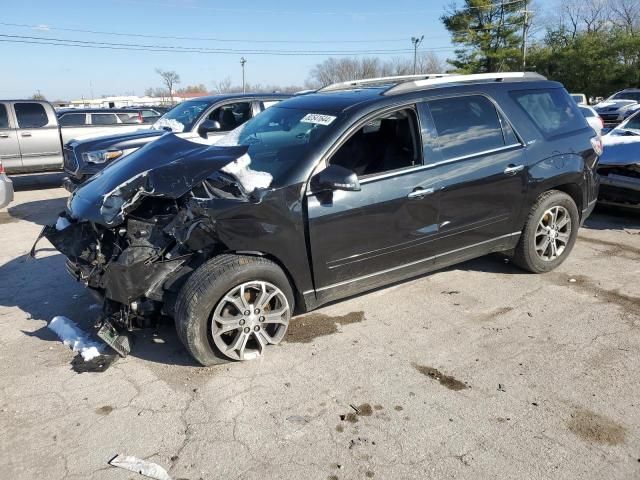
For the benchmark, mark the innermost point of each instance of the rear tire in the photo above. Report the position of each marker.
(549, 233)
(208, 321)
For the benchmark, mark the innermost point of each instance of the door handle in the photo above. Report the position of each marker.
(26, 134)
(4, 135)
(513, 169)
(421, 192)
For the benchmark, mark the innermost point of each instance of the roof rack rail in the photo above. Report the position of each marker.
(476, 77)
(380, 80)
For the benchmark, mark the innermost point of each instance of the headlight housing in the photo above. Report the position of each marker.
(101, 156)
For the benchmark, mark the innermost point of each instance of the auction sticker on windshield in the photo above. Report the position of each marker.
(318, 118)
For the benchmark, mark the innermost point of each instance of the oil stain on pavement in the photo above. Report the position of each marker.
(595, 428)
(450, 382)
(309, 327)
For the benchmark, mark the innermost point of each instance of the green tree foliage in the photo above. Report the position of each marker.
(488, 34)
(595, 63)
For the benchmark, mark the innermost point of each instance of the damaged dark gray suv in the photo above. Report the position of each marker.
(325, 196)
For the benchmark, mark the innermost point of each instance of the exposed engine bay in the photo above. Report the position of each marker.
(153, 231)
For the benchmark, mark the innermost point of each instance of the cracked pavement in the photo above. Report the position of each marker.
(476, 371)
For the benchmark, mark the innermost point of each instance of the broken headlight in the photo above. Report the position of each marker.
(101, 156)
(111, 207)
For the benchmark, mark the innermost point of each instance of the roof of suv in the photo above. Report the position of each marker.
(339, 97)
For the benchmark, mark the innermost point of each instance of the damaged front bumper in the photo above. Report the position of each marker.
(620, 185)
(135, 268)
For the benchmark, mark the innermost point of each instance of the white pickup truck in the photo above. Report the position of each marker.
(31, 138)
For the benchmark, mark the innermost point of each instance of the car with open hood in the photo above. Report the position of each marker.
(328, 195)
(204, 120)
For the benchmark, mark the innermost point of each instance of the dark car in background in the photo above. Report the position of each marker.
(203, 120)
(329, 195)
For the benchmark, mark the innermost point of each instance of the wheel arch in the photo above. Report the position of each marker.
(297, 291)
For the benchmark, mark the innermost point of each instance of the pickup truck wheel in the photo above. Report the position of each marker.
(232, 307)
(549, 234)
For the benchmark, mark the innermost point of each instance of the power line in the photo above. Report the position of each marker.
(324, 13)
(171, 49)
(46, 27)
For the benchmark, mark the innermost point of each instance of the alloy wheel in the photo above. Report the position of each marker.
(248, 318)
(553, 233)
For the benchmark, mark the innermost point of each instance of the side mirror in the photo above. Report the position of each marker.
(335, 177)
(208, 126)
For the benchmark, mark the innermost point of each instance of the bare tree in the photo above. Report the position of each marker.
(625, 14)
(222, 86)
(170, 78)
(334, 70)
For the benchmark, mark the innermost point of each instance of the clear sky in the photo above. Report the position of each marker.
(284, 25)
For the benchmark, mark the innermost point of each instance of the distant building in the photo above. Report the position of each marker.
(132, 101)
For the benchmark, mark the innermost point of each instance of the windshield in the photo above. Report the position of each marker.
(627, 96)
(182, 117)
(279, 137)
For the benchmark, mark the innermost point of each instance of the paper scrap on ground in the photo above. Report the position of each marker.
(133, 464)
(76, 338)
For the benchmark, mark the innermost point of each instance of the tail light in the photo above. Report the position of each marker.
(140, 119)
(1, 168)
(601, 121)
(596, 143)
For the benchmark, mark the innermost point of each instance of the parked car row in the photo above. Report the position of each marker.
(321, 196)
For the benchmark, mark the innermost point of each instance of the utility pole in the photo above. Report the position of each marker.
(525, 27)
(416, 43)
(242, 62)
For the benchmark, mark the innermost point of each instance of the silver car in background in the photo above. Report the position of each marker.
(6, 188)
(592, 117)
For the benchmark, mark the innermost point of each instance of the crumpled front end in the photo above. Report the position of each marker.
(619, 171)
(134, 242)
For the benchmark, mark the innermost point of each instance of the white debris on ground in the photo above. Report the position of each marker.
(76, 338)
(62, 223)
(133, 464)
(250, 179)
(174, 125)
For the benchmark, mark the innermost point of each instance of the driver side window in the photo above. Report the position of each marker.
(231, 115)
(386, 143)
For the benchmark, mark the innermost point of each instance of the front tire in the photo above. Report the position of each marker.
(232, 307)
(549, 233)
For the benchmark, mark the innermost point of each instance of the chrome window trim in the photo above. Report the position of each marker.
(410, 264)
(443, 162)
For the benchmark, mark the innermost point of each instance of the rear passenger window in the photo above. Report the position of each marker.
(469, 125)
(72, 119)
(30, 115)
(4, 118)
(103, 119)
(551, 110)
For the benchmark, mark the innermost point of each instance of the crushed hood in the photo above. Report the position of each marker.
(168, 167)
(620, 150)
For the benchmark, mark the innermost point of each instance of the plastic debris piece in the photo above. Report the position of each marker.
(75, 338)
(62, 223)
(133, 464)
